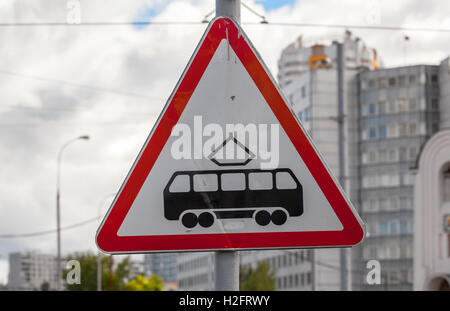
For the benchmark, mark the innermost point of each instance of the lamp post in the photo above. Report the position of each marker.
(58, 214)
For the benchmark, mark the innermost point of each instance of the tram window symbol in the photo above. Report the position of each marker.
(232, 181)
(260, 181)
(201, 197)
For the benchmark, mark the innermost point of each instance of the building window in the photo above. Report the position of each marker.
(392, 81)
(412, 153)
(448, 245)
(403, 227)
(382, 107)
(412, 104)
(393, 227)
(434, 78)
(392, 155)
(383, 228)
(303, 91)
(403, 155)
(402, 105)
(434, 127)
(412, 129)
(404, 202)
(393, 203)
(434, 104)
(300, 115)
(392, 106)
(446, 184)
(307, 114)
(382, 82)
(372, 132)
(371, 108)
(371, 83)
(383, 204)
(412, 79)
(382, 155)
(382, 131)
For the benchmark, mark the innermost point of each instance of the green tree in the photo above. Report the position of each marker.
(261, 278)
(141, 283)
(112, 279)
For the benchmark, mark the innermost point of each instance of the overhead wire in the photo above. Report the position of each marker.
(263, 22)
(78, 85)
(51, 231)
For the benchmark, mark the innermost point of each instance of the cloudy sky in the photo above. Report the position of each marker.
(110, 82)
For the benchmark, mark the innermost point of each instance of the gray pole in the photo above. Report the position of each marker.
(227, 270)
(99, 271)
(341, 148)
(58, 212)
(227, 262)
(229, 8)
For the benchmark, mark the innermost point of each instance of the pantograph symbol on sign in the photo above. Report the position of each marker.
(200, 197)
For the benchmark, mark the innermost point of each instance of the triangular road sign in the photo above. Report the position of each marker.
(180, 196)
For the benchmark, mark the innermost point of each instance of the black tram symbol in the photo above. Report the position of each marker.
(200, 197)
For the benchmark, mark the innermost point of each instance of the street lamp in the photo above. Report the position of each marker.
(58, 215)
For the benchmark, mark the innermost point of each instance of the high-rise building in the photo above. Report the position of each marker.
(32, 271)
(322, 96)
(444, 93)
(299, 57)
(292, 267)
(163, 265)
(398, 112)
(196, 271)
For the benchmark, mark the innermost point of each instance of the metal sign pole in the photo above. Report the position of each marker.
(227, 262)
(227, 270)
(229, 8)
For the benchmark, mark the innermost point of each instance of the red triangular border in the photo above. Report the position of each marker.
(223, 28)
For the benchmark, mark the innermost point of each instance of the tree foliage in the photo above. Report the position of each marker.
(142, 283)
(88, 266)
(260, 279)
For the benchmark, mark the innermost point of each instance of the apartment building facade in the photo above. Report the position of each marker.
(163, 265)
(399, 112)
(32, 271)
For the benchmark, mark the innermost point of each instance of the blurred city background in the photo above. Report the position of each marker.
(82, 83)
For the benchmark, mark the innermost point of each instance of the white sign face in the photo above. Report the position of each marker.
(228, 166)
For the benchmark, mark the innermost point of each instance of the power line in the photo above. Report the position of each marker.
(77, 85)
(38, 110)
(264, 22)
(84, 24)
(112, 123)
(46, 232)
(350, 26)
